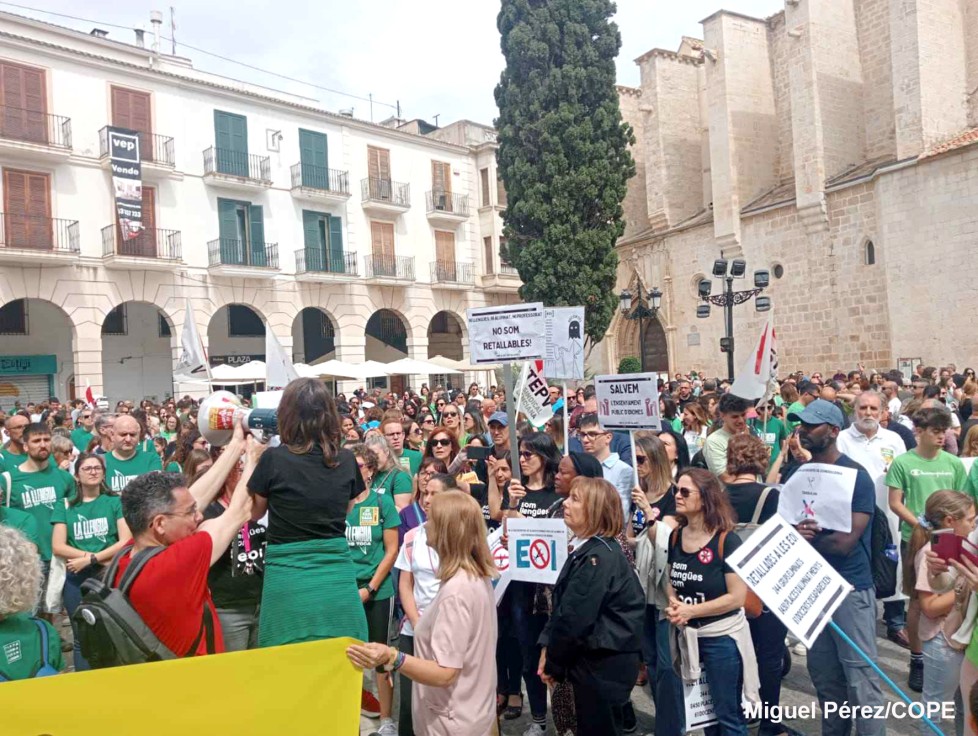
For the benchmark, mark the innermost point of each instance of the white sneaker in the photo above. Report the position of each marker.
(535, 729)
(387, 728)
(800, 649)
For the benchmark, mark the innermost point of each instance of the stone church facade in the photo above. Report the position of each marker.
(834, 144)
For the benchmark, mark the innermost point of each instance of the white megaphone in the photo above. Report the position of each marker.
(219, 412)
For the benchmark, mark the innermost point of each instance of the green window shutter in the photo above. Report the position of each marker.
(231, 141)
(336, 245)
(314, 159)
(315, 248)
(256, 224)
(227, 222)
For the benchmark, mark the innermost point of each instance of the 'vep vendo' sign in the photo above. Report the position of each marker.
(628, 401)
(537, 549)
(507, 334)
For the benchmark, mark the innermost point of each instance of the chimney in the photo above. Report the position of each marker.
(98, 33)
(140, 37)
(156, 18)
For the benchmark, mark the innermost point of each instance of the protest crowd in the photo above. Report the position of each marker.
(368, 518)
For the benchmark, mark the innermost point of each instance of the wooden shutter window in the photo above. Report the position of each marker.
(445, 255)
(382, 242)
(379, 172)
(23, 97)
(27, 210)
(132, 110)
(484, 178)
(488, 254)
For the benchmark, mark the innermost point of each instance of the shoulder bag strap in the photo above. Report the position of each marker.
(7, 483)
(206, 629)
(44, 641)
(723, 537)
(136, 566)
(760, 505)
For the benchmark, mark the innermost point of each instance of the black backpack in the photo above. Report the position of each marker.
(883, 556)
(110, 630)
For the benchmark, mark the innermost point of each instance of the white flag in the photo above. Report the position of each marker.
(192, 365)
(279, 370)
(760, 371)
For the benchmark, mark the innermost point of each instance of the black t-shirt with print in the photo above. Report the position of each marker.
(482, 497)
(665, 506)
(535, 504)
(699, 576)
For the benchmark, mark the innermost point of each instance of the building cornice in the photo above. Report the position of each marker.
(628, 91)
(669, 55)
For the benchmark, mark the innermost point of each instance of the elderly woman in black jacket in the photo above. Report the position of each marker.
(593, 638)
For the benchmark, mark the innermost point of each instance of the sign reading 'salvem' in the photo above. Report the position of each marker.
(126, 164)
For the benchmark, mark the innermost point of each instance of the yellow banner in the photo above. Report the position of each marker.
(291, 690)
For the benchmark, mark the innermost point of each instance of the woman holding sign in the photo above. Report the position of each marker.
(706, 600)
(593, 639)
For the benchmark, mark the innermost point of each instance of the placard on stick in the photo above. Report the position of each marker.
(506, 334)
(537, 549)
(628, 401)
(790, 576)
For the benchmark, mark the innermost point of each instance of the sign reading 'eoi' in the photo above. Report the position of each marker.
(628, 401)
(510, 333)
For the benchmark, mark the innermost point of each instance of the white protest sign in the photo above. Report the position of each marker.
(700, 711)
(537, 549)
(500, 558)
(792, 579)
(565, 343)
(821, 492)
(506, 334)
(628, 401)
(532, 394)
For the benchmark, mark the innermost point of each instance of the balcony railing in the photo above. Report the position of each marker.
(151, 242)
(38, 233)
(389, 267)
(387, 191)
(153, 148)
(506, 269)
(448, 202)
(314, 260)
(35, 127)
(234, 252)
(451, 272)
(235, 163)
(319, 177)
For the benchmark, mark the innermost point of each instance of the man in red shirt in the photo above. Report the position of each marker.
(171, 591)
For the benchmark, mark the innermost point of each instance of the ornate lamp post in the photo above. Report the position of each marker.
(646, 307)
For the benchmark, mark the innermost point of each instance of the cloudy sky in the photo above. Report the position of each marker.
(437, 57)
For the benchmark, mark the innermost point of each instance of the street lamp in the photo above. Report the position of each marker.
(729, 298)
(647, 305)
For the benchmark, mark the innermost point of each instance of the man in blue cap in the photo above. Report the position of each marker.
(837, 672)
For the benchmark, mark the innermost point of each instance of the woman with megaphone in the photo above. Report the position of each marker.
(307, 485)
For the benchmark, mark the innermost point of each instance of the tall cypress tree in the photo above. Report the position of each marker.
(563, 153)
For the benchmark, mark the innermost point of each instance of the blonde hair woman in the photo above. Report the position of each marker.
(454, 665)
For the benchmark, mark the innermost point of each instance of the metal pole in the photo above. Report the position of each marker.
(514, 444)
(728, 306)
(641, 333)
(566, 421)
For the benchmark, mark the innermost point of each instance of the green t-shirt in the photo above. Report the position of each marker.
(795, 408)
(773, 433)
(918, 478)
(365, 526)
(22, 522)
(394, 481)
(10, 459)
(410, 461)
(20, 647)
(118, 472)
(39, 494)
(971, 485)
(173, 467)
(92, 526)
(80, 438)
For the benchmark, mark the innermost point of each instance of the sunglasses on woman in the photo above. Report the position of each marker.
(640, 459)
(684, 492)
(525, 455)
(449, 414)
(441, 442)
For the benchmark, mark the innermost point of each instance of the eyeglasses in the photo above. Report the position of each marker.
(429, 420)
(525, 455)
(640, 459)
(90, 469)
(439, 403)
(449, 414)
(192, 511)
(393, 435)
(441, 442)
(592, 435)
(416, 430)
(684, 492)
(85, 416)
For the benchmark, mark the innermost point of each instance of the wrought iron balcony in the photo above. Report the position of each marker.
(234, 252)
(399, 268)
(40, 128)
(333, 181)
(27, 232)
(386, 193)
(247, 168)
(507, 270)
(317, 261)
(448, 203)
(150, 243)
(451, 272)
(153, 148)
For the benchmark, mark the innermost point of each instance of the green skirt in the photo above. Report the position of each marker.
(310, 593)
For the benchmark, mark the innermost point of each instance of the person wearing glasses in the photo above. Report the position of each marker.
(451, 419)
(87, 532)
(772, 431)
(413, 437)
(443, 445)
(82, 435)
(393, 428)
(807, 393)
(427, 424)
(390, 477)
(596, 441)
(474, 426)
(439, 405)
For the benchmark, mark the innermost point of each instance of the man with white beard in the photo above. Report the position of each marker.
(874, 447)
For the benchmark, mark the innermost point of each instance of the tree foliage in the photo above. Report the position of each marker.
(563, 153)
(630, 364)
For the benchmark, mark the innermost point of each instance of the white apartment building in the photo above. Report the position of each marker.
(348, 239)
